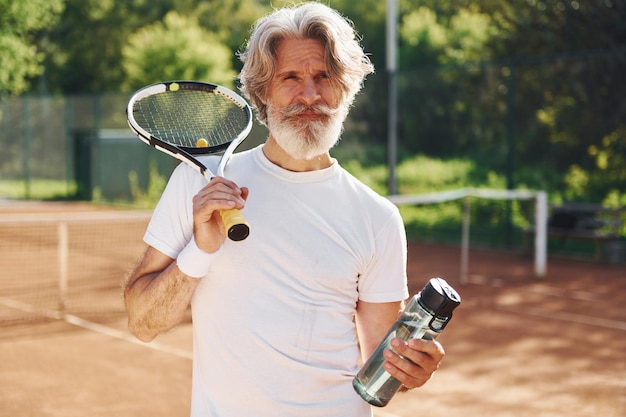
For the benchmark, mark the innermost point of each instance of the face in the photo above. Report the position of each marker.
(305, 111)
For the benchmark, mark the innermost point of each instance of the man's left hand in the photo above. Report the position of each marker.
(414, 362)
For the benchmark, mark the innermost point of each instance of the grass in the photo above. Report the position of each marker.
(37, 189)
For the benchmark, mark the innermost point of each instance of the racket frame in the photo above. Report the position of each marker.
(184, 153)
(238, 229)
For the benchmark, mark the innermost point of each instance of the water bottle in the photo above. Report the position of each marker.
(424, 317)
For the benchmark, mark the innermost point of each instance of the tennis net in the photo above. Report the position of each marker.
(65, 262)
(539, 217)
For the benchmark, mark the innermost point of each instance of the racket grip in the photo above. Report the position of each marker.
(236, 226)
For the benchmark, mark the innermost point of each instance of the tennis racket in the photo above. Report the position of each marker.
(185, 119)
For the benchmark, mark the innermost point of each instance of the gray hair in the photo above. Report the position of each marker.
(347, 63)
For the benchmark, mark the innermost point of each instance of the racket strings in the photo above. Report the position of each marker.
(181, 118)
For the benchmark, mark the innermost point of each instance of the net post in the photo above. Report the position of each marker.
(63, 248)
(465, 239)
(541, 222)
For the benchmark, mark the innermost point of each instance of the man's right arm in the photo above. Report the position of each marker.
(156, 295)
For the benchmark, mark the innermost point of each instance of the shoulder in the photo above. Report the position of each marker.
(241, 164)
(186, 179)
(375, 213)
(365, 195)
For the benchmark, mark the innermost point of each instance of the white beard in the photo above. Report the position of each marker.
(306, 139)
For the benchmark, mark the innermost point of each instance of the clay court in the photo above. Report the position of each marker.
(517, 346)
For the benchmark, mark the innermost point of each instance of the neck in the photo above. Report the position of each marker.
(279, 157)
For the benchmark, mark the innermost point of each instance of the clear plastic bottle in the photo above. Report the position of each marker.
(424, 317)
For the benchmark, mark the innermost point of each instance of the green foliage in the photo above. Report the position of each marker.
(230, 21)
(86, 47)
(421, 174)
(18, 62)
(617, 199)
(147, 198)
(470, 31)
(419, 30)
(610, 161)
(20, 22)
(426, 40)
(37, 189)
(95, 63)
(176, 49)
(527, 87)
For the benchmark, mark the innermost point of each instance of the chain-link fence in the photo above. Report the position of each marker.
(47, 142)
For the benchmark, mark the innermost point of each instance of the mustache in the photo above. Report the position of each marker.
(298, 108)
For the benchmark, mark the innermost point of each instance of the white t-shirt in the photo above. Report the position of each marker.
(273, 319)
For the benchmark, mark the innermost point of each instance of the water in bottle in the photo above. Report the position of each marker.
(424, 317)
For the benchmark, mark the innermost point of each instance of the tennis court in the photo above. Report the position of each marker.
(517, 346)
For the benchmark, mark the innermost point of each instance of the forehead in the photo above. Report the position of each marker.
(300, 55)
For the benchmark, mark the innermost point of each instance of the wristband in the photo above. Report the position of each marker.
(193, 261)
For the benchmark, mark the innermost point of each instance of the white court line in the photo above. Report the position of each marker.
(95, 327)
(118, 334)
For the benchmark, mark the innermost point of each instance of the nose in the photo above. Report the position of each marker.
(309, 93)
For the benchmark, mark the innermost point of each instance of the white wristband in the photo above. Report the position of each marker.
(193, 261)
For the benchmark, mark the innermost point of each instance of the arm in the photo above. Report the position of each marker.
(372, 322)
(157, 293)
(421, 357)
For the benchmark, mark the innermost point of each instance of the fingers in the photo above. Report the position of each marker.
(219, 194)
(414, 362)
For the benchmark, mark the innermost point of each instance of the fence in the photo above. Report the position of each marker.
(43, 138)
(77, 144)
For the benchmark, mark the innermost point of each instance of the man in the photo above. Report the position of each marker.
(282, 319)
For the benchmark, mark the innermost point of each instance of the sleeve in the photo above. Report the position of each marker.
(171, 225)
(385, 277)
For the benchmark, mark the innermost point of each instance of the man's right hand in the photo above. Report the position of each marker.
(208, 227)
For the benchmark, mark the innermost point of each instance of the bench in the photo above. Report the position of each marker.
(583, 222)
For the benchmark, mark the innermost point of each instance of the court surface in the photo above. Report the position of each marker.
(516, 347)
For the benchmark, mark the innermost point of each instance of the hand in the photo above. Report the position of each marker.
(419, 361)
(218, 194)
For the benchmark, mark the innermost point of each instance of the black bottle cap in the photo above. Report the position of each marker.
(439, 297)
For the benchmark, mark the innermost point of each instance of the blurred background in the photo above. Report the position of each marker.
(498, 94)
(491, 104)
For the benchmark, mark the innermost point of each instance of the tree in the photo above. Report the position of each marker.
(231, 21)
(20, 22)
(571, 57)
(176, 49)
(86, 46)
(442, 90)
(529, 84)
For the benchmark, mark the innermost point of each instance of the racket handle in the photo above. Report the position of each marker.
(236, 226)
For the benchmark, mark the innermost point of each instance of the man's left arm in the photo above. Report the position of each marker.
(419, 358)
